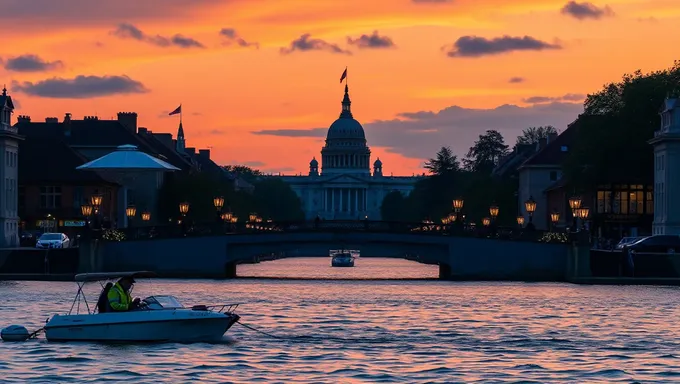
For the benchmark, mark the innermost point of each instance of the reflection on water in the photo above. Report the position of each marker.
(341, 331)
(320, 268)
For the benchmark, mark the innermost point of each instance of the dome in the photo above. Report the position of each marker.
(314, 163)
(377, 163)
(346, 128)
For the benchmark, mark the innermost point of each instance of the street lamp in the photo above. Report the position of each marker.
(226, 216)
(445, 220)
(520, 221)
(86, 210)
(530, 206)
(218, 202)
(234, 219)
(554, 218)
(146, 216)
(493, 211)
(184, 208)
(486, 221)
(452, 217)
(574, 204)
(458, 204)
(583, 213)
(252, 217)
(96, 201)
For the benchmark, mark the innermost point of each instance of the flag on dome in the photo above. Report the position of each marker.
(176, 111)
(344, 75)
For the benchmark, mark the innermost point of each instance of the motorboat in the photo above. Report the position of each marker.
(343, 258)
(158, 318)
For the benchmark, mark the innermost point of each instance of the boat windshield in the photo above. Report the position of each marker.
(166, 302)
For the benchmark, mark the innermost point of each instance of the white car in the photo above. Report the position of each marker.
(53, 240)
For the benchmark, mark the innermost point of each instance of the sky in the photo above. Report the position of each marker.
(258, 80)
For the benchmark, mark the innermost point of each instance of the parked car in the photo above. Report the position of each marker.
(656, 244)
(628, 241)
(53, 240)
(28, 238)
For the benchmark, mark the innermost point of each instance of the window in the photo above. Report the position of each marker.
(50, 197)
(553, 175)
(603, 201)
(649, 203)
(636, 202)
(78, 197)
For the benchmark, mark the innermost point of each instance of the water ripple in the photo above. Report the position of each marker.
(372, 331)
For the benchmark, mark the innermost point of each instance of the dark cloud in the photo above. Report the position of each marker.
(307, 43)
(83, 12)
(275, 171)
(129, 31)
(232, 37)
(569, 97)
(253, 163)
(373, 40)
(30, 63)
(474, 46)
(515, 80)
(81, 87)
(586, 10)
(421, 134)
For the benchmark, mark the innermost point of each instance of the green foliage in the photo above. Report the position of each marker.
(613, 133)
(272, 198)
(246, 173)
(484, 155)
(444, 162)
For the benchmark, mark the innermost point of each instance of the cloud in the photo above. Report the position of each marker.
(474, 46)
(515, 80)
(81, 87)
(30, 63)
(231, 37)
(586, 10)
(421, 134)
(253, 163)
(275, 171)
(373, 40)
(569, 97)
(306, 43)
(129, 31)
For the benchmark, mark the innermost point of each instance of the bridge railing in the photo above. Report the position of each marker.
(329, 226)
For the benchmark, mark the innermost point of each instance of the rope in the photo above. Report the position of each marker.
(260, 331)
(35, 334)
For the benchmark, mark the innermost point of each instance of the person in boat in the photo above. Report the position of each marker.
(119, 298)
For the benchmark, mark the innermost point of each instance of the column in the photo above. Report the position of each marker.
(332, 200)
(366, 199)
(356, 200)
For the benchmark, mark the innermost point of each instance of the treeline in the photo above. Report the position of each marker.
(611, 146)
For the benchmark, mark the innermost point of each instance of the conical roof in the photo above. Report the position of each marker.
(128, 158)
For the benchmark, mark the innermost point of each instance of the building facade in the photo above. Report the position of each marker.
(9, 174)
(343, 187)
(666, 144)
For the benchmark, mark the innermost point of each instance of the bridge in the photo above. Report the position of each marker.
(214, 250)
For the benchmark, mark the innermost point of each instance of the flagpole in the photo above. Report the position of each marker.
(180, 113)
(346, 76)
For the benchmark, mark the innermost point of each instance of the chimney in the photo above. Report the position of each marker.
(190, 150)
(24, 119)
(205, 153)
(90, 118)
(552, 137)
(51, 120)
(142, 131)
(67, 124)
(128, 120)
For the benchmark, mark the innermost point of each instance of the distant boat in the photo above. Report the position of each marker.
(343, 258)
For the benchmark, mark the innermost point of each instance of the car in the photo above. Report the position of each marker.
(28, 238)
(53, 240)
(628, 241)
(656, 244)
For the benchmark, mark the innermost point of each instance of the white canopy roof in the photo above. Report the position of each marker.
(127, 158)
(99, 276)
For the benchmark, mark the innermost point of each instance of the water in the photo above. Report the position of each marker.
(341, 331)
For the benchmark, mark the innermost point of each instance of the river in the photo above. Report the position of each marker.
(352, 331)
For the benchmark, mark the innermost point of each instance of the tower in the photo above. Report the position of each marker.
(346, 151)
(9, 172)
(181, 143)
(666, 144)
(377, 168)
(314, 167)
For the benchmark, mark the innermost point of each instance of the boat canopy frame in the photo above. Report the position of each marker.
(84, 278)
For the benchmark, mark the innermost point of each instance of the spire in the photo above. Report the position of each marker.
(181, 143)
(346, 102)
(4, 90)
(180, 131)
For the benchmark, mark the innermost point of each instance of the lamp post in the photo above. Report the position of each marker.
(530, 206)
(184, 208)
(520, 221)
(96, 201)
(486, 221)
(583, 214)
(226, 216)
(218, 202)
(86, 210)
(554, 219)
(146, 216)
(574, 204)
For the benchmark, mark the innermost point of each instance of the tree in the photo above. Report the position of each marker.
(532, 135)
(484, 155)
(393, 207)
(244, 172)
(275, 199)
(444, 162)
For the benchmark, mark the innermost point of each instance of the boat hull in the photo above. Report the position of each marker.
(141, 326)
(342, 263)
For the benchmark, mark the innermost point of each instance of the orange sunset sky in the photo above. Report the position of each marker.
(259, 79)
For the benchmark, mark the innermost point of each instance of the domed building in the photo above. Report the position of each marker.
(344, 188)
